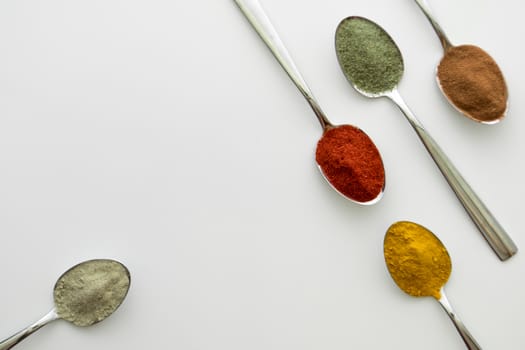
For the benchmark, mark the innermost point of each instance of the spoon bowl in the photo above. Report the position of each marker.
(368, 57)
(483, 98)
(373, 64)
(471, 71)
(346, 155)
(85, 294)
(420, 265)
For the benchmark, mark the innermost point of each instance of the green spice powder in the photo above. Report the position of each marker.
(368, 56)
(91, 291)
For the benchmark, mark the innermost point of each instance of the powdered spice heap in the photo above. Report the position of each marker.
(351, 163)
(368, 56)
(472, 80)
(416, 259)
(91, 291)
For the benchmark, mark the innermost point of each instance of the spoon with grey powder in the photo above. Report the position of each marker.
(84, 295)
(469, 78)
(347, 157)
(373, 64)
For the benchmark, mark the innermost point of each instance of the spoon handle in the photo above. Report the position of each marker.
(257, 17)
(437, 28)
(18, 337)
(469, 340)
(495, 235)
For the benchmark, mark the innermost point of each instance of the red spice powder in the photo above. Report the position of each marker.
(351, 162)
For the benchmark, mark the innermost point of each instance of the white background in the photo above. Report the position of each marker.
(165, 135)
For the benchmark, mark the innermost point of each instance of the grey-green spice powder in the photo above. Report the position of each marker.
(368, 56)
(91, 291)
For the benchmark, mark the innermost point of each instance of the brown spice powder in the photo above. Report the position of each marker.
(473, 82)
(351, 162)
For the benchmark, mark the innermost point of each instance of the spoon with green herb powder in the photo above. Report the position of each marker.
(373, 64)
(470, 79)
(347, 157)
(84, 295)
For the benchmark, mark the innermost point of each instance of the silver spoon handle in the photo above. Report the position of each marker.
(255, 14)
(495, 235)
(437, 28)
(469, 340)
(18, 337)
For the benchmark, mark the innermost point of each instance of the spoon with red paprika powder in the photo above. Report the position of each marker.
(469, 78)
(346, 156)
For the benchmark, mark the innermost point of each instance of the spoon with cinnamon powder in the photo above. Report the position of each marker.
(469, 78)
(346, 156)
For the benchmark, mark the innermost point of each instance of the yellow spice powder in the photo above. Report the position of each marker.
(416, 259)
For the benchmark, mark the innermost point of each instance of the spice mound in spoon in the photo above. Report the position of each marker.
(351, 162)
(368, 56)
(416, 259)
(469, 78)
(91, 291)
(473, 82)
(84, 295)
(420, 265)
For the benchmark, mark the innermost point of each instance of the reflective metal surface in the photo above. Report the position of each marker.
(445, 42)
(469, 340)
(18, 337)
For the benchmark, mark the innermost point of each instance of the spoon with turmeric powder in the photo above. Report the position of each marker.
(346, 156)
(469, 78)
(420, 265)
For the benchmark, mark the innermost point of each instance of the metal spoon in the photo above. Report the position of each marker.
(495, 235)
(78, 296)
(408, 241)
(261, 23)
(488, 116)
